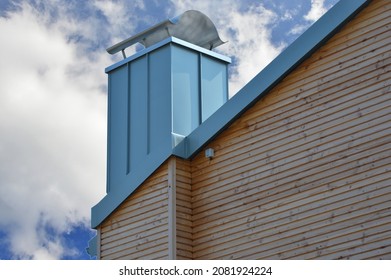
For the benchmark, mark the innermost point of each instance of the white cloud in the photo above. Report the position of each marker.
(298, 29)
(52, 133)
(317, 10)
(119, 15)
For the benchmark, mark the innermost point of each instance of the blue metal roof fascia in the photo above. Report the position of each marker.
(162, 43)
(280, 67)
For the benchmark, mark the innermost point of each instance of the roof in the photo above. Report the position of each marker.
(258, 87)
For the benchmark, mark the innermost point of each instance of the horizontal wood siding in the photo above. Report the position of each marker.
(184, 210)
(305, 172)
(138, 229)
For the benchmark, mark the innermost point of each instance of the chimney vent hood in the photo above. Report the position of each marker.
(192, 26)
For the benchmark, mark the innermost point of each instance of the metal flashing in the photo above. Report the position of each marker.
(160, 44)
(172, 208)
(280, 67)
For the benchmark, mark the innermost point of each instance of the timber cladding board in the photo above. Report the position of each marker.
(138, 229)
(184, 214)
(305, 172)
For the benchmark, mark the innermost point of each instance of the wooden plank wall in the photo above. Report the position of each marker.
(138, 229)
(184, 236)
(305, 173)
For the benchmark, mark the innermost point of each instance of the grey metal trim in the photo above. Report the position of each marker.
(165, 42)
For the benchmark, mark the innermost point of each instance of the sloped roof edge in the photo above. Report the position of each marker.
(279, 68)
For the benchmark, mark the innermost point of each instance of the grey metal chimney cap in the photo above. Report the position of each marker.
(192, 26)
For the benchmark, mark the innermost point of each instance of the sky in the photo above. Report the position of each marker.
(53, 101)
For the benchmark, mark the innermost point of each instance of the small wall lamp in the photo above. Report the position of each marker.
(209, 153)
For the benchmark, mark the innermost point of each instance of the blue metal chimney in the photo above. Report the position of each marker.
(159, 95)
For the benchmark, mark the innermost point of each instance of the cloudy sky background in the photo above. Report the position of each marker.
(53, 101)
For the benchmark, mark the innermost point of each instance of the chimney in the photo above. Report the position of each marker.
(160, 94)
